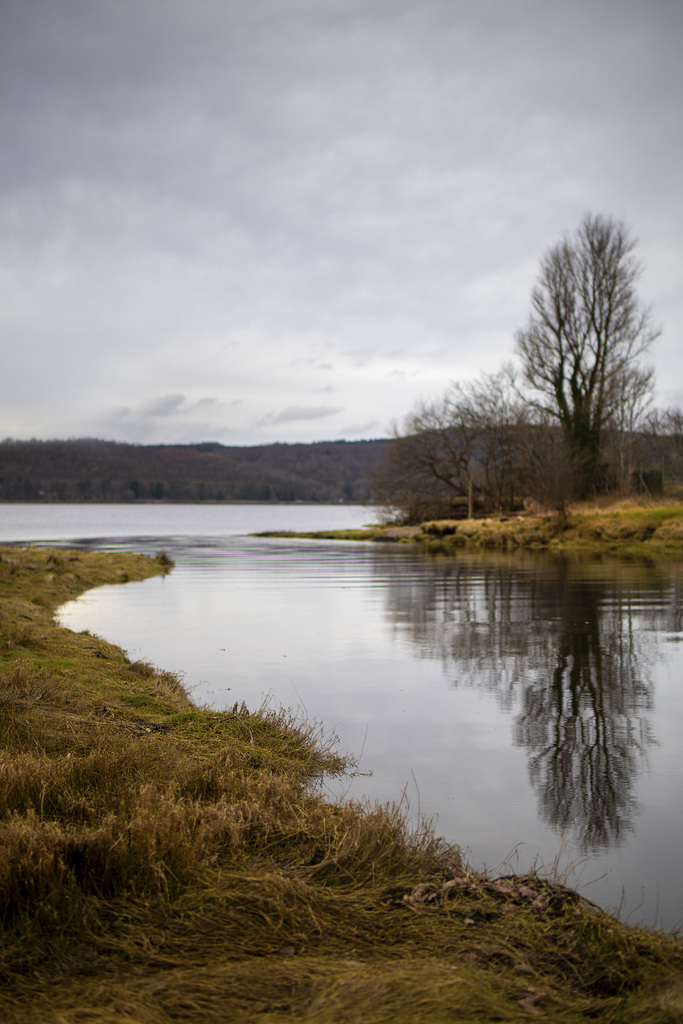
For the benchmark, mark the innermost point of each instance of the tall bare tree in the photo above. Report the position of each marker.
(582, 348)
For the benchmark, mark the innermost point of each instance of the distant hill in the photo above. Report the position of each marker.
(91, 470)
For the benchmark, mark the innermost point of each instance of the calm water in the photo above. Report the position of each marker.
(533, 705)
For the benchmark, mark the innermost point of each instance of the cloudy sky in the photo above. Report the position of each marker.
(258, 220)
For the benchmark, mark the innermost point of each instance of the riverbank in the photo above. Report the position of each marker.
(161, 862)
(625, 526)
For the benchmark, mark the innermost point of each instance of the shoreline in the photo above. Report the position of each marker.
(624, 527)
(161, 861)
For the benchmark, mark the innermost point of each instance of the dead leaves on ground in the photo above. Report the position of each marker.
(506, 891)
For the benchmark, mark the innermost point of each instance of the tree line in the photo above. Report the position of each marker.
(571, 418)
(109, 471)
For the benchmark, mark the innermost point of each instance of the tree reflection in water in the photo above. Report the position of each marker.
(583, 718)
(569, 647)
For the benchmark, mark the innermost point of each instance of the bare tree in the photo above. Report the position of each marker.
(627, 428)
(581, 350)
(426, 465)
(666, 437)
(672, 425)
(455, 455)
(545, 471)
(490, 409)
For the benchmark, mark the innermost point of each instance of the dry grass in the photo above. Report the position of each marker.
(161, 862)
(626, 527)
(630, 526)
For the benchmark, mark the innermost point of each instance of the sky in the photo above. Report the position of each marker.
(249, 221)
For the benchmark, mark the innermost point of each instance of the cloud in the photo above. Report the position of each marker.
(232, 199)
(206, 403)
(166, 406)
(294, 413)
(370, 429)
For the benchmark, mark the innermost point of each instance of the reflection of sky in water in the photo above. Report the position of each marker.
(465, 686)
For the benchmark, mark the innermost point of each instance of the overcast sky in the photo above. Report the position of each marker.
(258, 220)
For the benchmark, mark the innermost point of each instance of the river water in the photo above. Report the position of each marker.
(531, 705)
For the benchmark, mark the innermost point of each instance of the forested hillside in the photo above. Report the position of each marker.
(92, 470)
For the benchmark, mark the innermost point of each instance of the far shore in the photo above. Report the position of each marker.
(625, 526)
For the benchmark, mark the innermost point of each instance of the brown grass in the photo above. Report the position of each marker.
(629, 526)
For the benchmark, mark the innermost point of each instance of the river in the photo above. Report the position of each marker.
(530, 705)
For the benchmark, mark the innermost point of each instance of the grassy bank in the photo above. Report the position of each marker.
(626, 527)
(162, 862)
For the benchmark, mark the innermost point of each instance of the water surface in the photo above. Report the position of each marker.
(532, 704)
